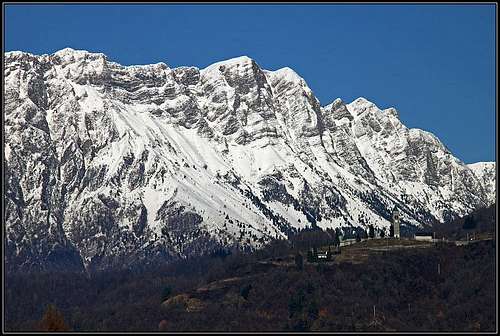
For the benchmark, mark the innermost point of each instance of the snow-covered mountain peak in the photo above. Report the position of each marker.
(336, 103)
(73, 55)
(362, 105)
(392, 112)
(22, 57)
(17, 54)
(336, 114)
(231, 63)
(360, 101)
(287, 74)
(70, 51)
(116, 164)
(234, 72)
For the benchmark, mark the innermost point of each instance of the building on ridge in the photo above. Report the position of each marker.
(396, 223)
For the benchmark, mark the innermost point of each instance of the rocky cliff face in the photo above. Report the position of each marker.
(109, 165)
(486, 174)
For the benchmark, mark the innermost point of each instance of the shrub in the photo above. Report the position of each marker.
(245, 290)
(165, 294)
(53, 320)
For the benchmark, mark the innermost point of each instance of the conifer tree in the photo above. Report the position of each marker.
(299, 261)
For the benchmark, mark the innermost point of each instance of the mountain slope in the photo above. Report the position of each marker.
(110, 165)
(486, 173)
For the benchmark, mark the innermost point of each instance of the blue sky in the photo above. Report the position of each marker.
(434, 63)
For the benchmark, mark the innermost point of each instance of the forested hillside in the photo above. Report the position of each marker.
(480, 223)
(437, 288)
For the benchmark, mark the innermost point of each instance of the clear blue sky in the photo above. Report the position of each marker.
(434, 63)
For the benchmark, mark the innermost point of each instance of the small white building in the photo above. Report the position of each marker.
(424, 236)
(323, 256)
(346, 242)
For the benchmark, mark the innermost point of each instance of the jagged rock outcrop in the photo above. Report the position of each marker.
(110, 166)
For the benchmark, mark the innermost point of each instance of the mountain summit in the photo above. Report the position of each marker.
(109, 165)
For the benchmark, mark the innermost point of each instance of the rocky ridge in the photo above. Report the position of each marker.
(109, 165)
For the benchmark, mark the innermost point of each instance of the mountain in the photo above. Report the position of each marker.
(109, 165)
(486, 173)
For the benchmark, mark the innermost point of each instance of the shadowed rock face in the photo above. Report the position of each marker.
(111, 166)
